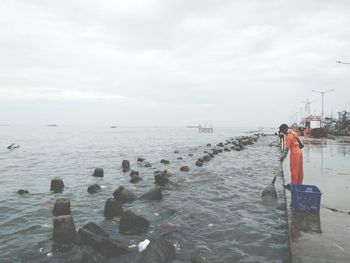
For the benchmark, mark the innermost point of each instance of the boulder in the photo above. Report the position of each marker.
(113, 208)
(226, 149)
(57, 185)
(84, 254)
(22, 192)
(179, 158)
(92, 189)
(133, 173)
(215, 151)
(220, 144)
(140, 160)
(159, 250)
(165, 161)
(125, 165)
(134, 179)
(190, 155)
(61, 207)
(92, 227)
(208, 145)
(124, 195)
(148, 164)
(199, 162)
(176, 151)
(161, 179)
(154, 194)
(98, 172)
(200, 254)
(63, 229)
(184, 169)
(131, 223)
(211, 155)
(99, 240)
(206, 158)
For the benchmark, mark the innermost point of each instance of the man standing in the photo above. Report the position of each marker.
(296, 155)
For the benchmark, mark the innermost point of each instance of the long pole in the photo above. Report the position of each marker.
(323, 92)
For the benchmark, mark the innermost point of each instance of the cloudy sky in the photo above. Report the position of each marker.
(179, 62)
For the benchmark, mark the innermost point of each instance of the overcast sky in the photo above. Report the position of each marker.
(179, 62)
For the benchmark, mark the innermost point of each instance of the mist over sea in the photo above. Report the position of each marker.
(217, 206)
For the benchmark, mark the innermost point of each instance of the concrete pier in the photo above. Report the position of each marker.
(323, 237)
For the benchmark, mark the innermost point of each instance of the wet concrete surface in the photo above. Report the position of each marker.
(323, 237)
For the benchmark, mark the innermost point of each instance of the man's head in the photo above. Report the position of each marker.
(284, 128)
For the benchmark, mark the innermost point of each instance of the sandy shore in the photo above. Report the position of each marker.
(323, 237)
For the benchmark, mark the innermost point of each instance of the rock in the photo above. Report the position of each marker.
(133, 173)
(154, 194)
(215, 151)
(176, 151)
(134, 179)
(84, 254)
(124, 195)
(206, 158)
(184, 169)
(61, 207)
(98, 172)
(211, 155)
(179, 158)
(92, 227)
(190, 154)
(205, 152)
(161, 179)
(220, 144)
(199, 162)
(226, 149)
(63, 230)
(92, 189)
(22, 192)
(97, 239)
(200, 254)
(148, 164)
(208, 145)
(113, 208)
(165, 161)
(57, 185)
(131, 223)
(140, 160)
(159, 250)
(125, 165)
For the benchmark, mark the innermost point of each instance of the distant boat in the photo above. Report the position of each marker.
(51, 125)
(113, 127)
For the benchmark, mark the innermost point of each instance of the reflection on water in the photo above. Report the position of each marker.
(304, 222)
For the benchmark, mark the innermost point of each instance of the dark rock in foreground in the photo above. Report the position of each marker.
(155, 194)
(63, 230)
(98, 172)
(85, 254)
(57, 185)
(95, 237)
(61, 207)
(92, 189)
(22, 192)
(124, 195)
(131, 223)
(159, 250)
(113, 208)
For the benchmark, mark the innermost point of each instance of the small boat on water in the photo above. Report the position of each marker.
(113, 127)
(51, 125)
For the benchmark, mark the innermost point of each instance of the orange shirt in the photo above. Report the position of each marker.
(291, 141)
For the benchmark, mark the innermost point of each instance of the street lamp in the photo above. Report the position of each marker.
(322, 92)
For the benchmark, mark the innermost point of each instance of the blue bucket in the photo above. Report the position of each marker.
(306, 198)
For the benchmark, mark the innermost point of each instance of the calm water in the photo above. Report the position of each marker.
(218, 205)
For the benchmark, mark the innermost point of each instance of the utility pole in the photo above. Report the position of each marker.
(322, 93)
(307, 106)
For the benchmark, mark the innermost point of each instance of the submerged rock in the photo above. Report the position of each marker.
(148, 164)
(98, 172)
(179, 158)
(95, 237)
(63, 230)
(134, 179)
(133, 173)
(131, 223)
(57, 185)
(22, 192)
(92, 189)
(124, 195)
(125, 165)
(184, 169)
(159, 250)
(61, 207)
(165, 161)
(154, 194)
(113, 208)
(84, 254)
